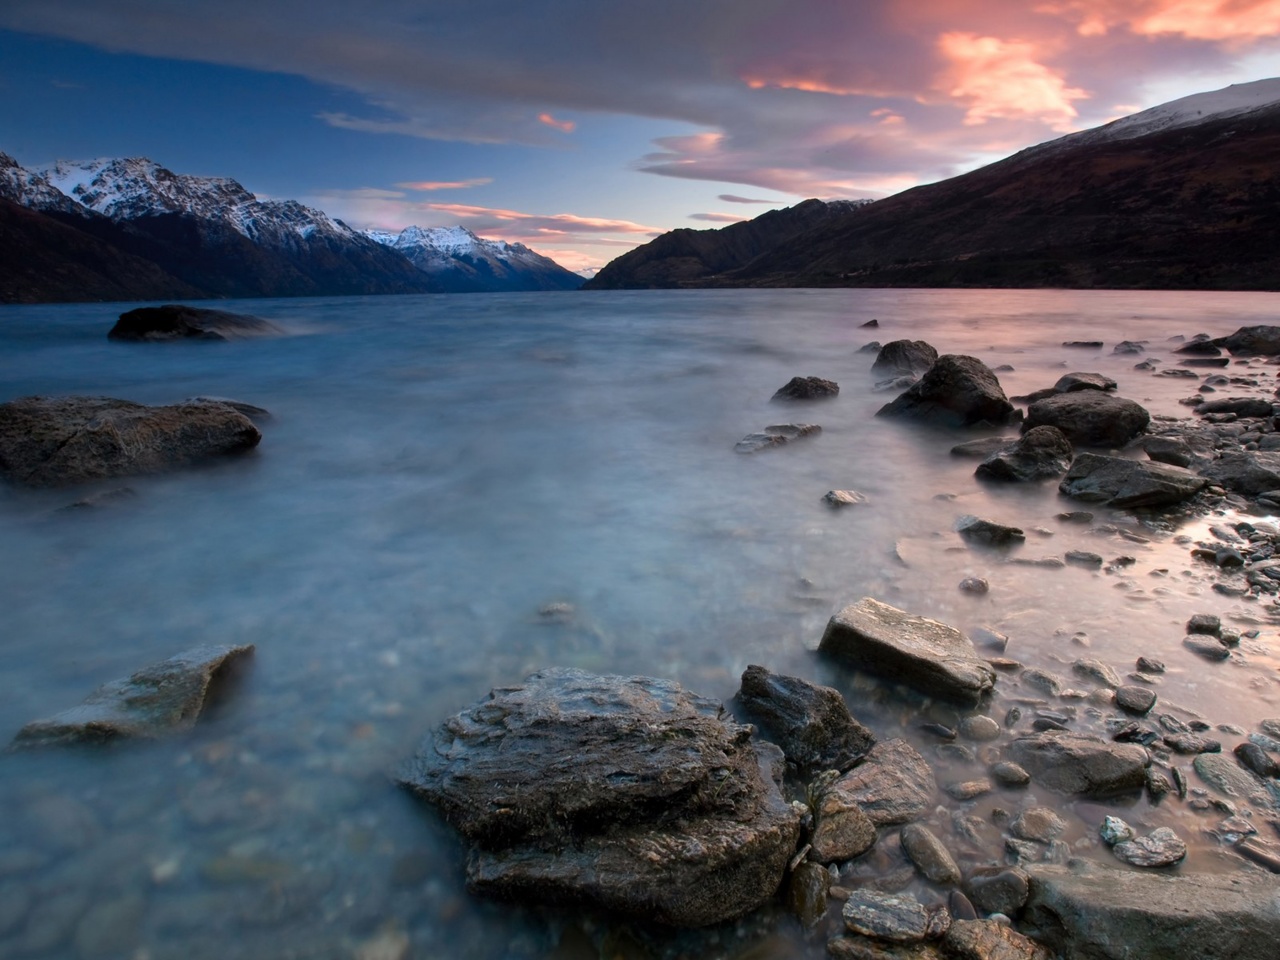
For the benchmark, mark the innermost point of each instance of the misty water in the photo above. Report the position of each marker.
(436, 471)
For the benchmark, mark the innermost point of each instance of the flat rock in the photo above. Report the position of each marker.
(1208, 647)
(178, 322)
(988, 531)
(842, 830)
(775, 435)
(930, 656)
(990, 940)
(807, 388)
(1071, 382)
(1169, 450)
(1160, 848)
(1129, 483)
(1097, 671)
(957, 391)
(1037, 823)
(929, 854)
(983, 447)
(1009, 774)
(629, 793)
(1135, 699)
(1129, 347)
(892, 785)
(998, 889)
(896, 917)
(1089, 418)
(1250, 473)
(1118, 914)
(811, 723)
(1038, 454)
(163, 698)
(1223, 773)
(1240, 406)
(843, 498)
(1081, 765)
(57, 441)
(909, 358)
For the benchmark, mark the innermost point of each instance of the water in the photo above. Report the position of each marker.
(437, 469)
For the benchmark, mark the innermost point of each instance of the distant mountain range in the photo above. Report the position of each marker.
(1184, 195)
(128, 229)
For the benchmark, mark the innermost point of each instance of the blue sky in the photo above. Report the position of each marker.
(583, 128)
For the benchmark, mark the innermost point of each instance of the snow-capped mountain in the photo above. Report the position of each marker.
(32, 189)
(461, 261)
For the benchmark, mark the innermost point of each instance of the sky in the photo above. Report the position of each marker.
(583, 128)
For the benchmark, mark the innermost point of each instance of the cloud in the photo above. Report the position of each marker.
(564, 126)
(554, 223)
(429, 185)
(718, 217)
(999, 78)
(362, 193)
(732, 198)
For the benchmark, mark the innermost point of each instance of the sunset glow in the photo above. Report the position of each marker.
(1002, 79)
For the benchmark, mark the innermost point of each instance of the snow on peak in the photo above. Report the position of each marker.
(436, 249)
(31, 189)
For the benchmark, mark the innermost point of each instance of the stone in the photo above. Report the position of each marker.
(933, 657)
(1009, 774)
(990, 940)
(998, 889)
(1128, 347)
(1240, 406)
(904, 358)
(898, 918)
(1081, 765)
(843, 498)
(967, 790)
(179, 322)
(807, 388)
(1097, 671)
(983, 447)
(1249, 473)
(1188, 744)
(811, 723)
(842, 828)
(163, 698)
(1160, 848)
(1169, 450)
(1072, 382)
(1089, 418)
(1135, 699)
(980, 728)
(1083, 558)
(1257, 341)
(988, 531)
(1224, 775)
(892, 785)
(1265, 855)
(807, 890)
(1199, 347)
(1038, 454)
(1083, 344)
(960, 906)
(929, 854)
(628, 793)
(1253, 757)
(1129, 483)
(1114, 830)
(975, 585)
(111, 928)
(1103, 913)
(774, 436)
(1204, 623)
(957, 391)
(58, 441)
(864, 948)
(1208, 647)
(1037, 823)
(1148, 665)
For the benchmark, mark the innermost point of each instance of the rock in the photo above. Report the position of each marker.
(165, 697)
(957, 391)
(1240, 406)
(873, 322)
(988, 531)
(975, 585)
(1097, 671)
(1169, 450)
(1135, 699)
(1160, 848)
(932, 657)
(1115, 914)
(56, 441)
(629, 793)
(843, 498)
(1037, 455)
(1199, 348)
(1037, 823)
(1114, 830)
(810, 723)
(842, 828)
(983, 447)
(1083, 558)
(1227, 777)
(967, 790)
(929, 855)
(1083, 344)
(1089, 418)
(1207, 647)
(807, 891)
(872, 347)
(1129, 483)
(1188, 744)
(892, 785)
(807, 388)
(1009, 774)
(980, 728)
(898, 918)
(990, 940)
(904, 358)
(1128, 347)
(1256, 341)
(864, 948)
(1253, 757)
(1081, 765)
(1148, 665)
(1204, 623)
(960, 906)
(178, 322)
(1250, 473)
(252, 411)
(111, 928)
(1265, 855)
(776, 435)
(1071, 382)
(998, 889)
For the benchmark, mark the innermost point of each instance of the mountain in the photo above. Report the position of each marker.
(687, 257)
(458, 261)
(1185, 195)
(130, 229)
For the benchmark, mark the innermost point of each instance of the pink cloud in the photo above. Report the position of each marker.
(718, 217)
(555, 223)
(564, 126)
(428, 185)
(733, 198)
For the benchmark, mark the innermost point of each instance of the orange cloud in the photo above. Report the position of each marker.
(1002, 79)
(1213, 19)
(806, 84)
(426, 185)
(555, 223)
(564, 126)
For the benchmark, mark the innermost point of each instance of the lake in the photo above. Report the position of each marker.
(437, 471)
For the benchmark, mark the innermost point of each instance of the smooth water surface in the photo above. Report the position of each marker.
(436, 471)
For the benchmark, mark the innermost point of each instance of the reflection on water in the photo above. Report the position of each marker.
(437, 470)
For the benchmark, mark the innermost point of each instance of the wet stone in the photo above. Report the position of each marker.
(975, 586)
(1135, 699)
(1114, 830)
(1256, 759)
(990, 940)
(1188, 744)
(1222, 773)
(898, 918)
(843, 498)
(1206, 647)
(1148, 665)
(980, 728)
(1038, 823)
(842, 831)
(1097, 671)
(807, 388)
(893, 785)
(1264, 854)
(1161, 848)
(998, 890)
(1083, 558)
(929, 854)
(969, 790)
(988, 531)
(807, 891)
(1009, 774)
(1080, 764)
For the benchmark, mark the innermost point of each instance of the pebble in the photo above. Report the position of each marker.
(1160, 848)
(1147, 665)
(1270, 727)
(969, 789)
(1083, 558)
(1256, 759)
(1045, 681)
(1038, 823)
(996, 890)
(980, 728)
(1206, 647)
(929, 854)
(1009, 774)
(974, 585)
(1264, 854)
(960, 906)
(898, 918)
(1135, 699)
(1189, 744)
(1114, 830)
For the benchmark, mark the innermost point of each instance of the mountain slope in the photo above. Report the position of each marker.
(457, 261)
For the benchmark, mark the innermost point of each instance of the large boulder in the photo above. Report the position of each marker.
(179, 322)
(1129, 483)
(628, 793)
(1081, 765)
(1038, 454)
(957, 391)
(1252, 341)
(933, 657)
(1099, 913)
(1250, 473)
(165, 697)
(809, 722)
(56, 441)
(1089, 418)
(904, 358)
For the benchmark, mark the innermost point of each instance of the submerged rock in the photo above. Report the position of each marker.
(807, 892)
(179, 322)
(930, 856)
(807, 388)
(1262, 340)
(165, 697)
(57, 441)
(1081, 765)
(930, 656)
(1129, 483)
(1090, 418)
(811, 723)
(1071, 382)
(775, 435)
(904, 358)
(988, 531)
(896, 917)
(1160, 848)
(1245, 472)
(626, 792)
(843, 498)
(1037, 455)
(983, 447)
(990, 940)
(957, 391)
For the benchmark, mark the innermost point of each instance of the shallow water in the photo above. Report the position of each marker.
(439, 468)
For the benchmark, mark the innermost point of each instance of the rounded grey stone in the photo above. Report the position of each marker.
(1160, 848)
